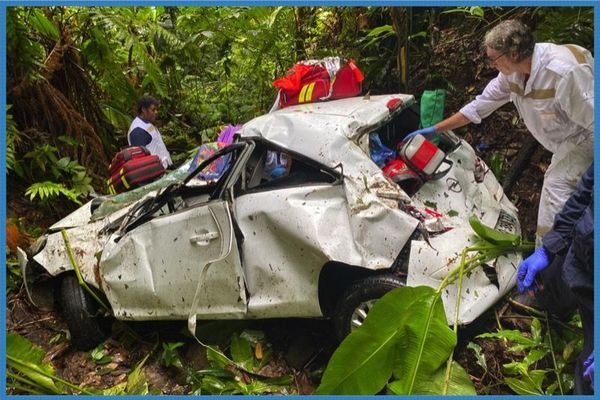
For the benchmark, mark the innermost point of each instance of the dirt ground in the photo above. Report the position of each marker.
(301, 349)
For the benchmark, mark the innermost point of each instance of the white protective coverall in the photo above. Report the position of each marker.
(156, 145)
(557, 106)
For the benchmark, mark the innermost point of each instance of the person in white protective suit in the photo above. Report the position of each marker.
(552, 87)
(142, 131)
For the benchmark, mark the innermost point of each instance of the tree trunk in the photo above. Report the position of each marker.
(520, 163)
(400, 25)
(304, 19)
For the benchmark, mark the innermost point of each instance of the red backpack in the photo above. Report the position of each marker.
(133, 167)
(319, 80)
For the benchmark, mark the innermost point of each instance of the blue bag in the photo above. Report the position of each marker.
(380, 154)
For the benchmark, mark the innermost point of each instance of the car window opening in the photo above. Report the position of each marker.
(386, 144)
(270, 168)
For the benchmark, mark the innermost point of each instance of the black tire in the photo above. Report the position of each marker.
(358, 298)
(80, 311)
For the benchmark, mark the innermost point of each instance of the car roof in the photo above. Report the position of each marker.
(351, 114)
(322, 130)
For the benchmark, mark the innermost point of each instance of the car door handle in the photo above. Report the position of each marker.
(203, 239)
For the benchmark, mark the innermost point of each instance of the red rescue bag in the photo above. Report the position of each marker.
(125, 155)
(424, 158)
(347, 82)
(319, 80)
(131, 168)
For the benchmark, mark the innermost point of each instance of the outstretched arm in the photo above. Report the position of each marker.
(456, 120)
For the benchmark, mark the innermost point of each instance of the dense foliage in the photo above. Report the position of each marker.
(76, 72)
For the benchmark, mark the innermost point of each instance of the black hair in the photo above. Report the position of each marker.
(146, 102)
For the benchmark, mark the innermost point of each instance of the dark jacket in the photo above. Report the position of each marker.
(573, 236)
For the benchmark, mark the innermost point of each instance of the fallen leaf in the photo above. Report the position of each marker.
(258, 353)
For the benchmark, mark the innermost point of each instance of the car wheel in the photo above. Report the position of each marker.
(356, 302)
(80, 311)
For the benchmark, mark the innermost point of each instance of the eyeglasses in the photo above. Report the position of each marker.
(493, 60)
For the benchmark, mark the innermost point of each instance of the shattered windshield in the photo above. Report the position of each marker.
(204, 181)
(198, 174)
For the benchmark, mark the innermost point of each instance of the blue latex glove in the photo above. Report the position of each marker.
(278, 172)
(529, 268)
(588, 364)
(425, 131)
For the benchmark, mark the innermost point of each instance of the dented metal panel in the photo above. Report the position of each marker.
(430, 263)
(86, 242)
(79, 217)
(153, 271)
(458, 196)
(322, 131)
(289, 234)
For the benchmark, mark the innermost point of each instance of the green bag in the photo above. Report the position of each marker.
(432, 107)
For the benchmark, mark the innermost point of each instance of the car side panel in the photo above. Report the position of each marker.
(289, 234)
(167, 266)
(457, 196)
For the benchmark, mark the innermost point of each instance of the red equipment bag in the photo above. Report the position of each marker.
(401, 174)
(319, 80)
(125, 155)
(134, 172)
(424, 158)
(347, 82)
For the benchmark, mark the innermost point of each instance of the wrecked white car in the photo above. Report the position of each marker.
(326, 238)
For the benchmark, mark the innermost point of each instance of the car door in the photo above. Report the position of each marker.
(178, 265)
(293, 222)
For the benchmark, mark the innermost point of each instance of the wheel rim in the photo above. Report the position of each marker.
(360, 313)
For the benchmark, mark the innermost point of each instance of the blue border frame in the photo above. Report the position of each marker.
(413, 3)
(3, 191)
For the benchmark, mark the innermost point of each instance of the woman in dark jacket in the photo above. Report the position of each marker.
(565, 263)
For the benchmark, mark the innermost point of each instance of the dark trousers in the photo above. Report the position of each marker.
(558, 299)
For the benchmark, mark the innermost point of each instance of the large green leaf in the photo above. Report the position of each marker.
(119, 389)
(154, 76)
(522, 386)
(363, 362)
(387, 29)
(405, 332)
(535, 355)
(26, 358)
(509, 334)
(458, 384)
(137, 384)
(216, 358)
(492, 235)
(241, 352)
(427, 345)
(479, 356)
(43, 25)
